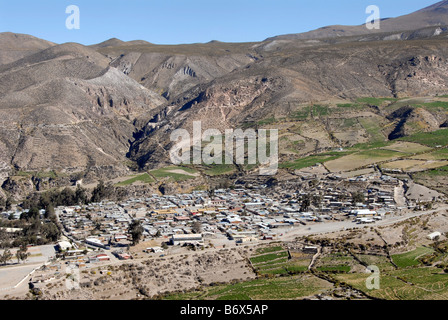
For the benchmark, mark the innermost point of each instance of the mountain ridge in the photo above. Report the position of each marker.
(93, 111)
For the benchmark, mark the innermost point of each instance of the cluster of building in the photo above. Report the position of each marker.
(238, 214)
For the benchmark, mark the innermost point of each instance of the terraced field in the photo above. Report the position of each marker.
(336, 262)
(410, 280)
(410, 284)
(410, 258)
(174, 173)
(293, 287)
(276, 260)
(361, 159)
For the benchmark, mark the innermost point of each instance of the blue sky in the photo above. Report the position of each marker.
(188, 21)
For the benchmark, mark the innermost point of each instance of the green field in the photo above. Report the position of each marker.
(438, 105)
(168, 172)
(266, 258)
(275, 261)
(268, 250)
(432, 139)
(293, 287)
(220, 169)
(409, 284)
(439, 172)
(410, 258)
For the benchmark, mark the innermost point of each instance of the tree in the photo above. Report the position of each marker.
(317, 199)
(306, 202)
(49, 212)
(358, 197)
(136, 231)
(32, 214)
(6, 256)
(81, 195)
(197, 227)
(211, 192)
(22, 254)
(51, 231)
(102, 192)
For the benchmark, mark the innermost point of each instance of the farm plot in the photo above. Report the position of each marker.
(441, 154)
(409, 284)
(143, 178)
(410, 259)
(414, 165)
(337, 263)
(294, 287)
(174, 173)
(372, 127)
(276, 260)
(382, 262)
(431, 139)
(362, 159)
(407, 147)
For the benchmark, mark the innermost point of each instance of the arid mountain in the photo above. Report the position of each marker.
(434, 15)
(14, 46)
(171, 70)
(94, 110)
(285, 82)
(66, 109)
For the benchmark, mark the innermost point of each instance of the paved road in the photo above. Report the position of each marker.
(13, 274)
(326, 227)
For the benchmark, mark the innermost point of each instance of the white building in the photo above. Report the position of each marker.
(180, 239)
(434, 235)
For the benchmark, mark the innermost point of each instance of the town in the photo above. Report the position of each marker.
(224, 216)
(100, 234)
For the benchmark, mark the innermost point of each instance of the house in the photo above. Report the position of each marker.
(310, 249)
(64, 245)
(124, 256)
(95, 242)
(103, 257)
(180, 239)
(154, 249)
(246, 239)
(434, 235)
(120, 237)
(363, 213)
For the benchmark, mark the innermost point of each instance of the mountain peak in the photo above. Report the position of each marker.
(442, 5)
(433, 15)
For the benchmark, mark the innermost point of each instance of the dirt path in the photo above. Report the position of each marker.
(399, 197)
(314, 258)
